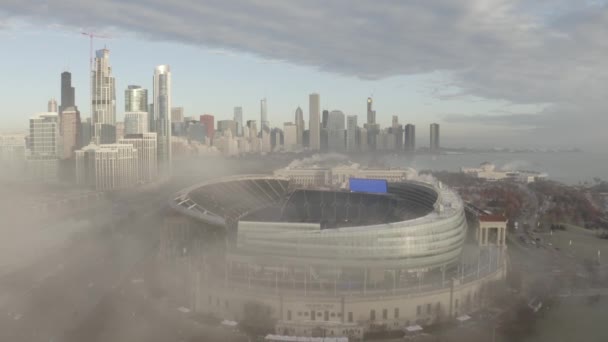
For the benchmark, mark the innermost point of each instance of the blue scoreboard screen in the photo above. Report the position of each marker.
(368, 185)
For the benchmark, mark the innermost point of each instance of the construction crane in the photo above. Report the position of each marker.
(92, 35)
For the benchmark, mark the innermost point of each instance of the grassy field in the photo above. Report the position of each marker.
(585, 244)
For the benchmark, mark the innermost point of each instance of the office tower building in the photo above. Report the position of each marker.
(363, 139)
(86, 132)
(265, 140)
(314, 112)
(264, 115)
(410, 138)
(12, 149)
(107, 166)
(70, 131)
(151, 118)
(177, 121)
(351, 133)
(290, 136)
(177, 114)
(276, 139)
(136, 123)
(223, 125)
(371, 113)
(398, 134)
(162, 113)
(145, 144)
(103, 99)
(209, 121)
(197, 132)
(45, 147)
(253, 130)
(434, 144)
(68, 93)
(238, 117)
(335, 131)
(120, 130)
(299, 122)
(136, 99)
(52, 106)
(324, 119)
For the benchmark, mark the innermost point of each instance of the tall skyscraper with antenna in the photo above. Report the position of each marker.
(103, 99)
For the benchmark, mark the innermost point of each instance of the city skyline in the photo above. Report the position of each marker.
(475, 90)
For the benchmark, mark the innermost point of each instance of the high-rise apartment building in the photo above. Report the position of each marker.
(136, 123)
(70, 131)
(145, 144)
(136, 99)
(335, 131)
(103, 99)
(238, 117)
(314, 113)
(162, 112)
(264, 115)
(410, 138)
(68, 93)
(107, 166)
(351, 133)
(434, 143)
(299, 122)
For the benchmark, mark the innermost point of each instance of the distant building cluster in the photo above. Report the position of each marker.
(62, 146)
(489, 172)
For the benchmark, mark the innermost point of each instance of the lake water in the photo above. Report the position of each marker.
(566, 167)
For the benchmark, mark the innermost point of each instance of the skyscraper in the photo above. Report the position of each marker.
(145, 144)
(209, 121)
(107, 166)
(136, 123)
(70, 131)
(103, 99)
(299, 121)
(162, 112)
(223, 125)
(177, 114)
(68, 96)
(264, 115)
(371, 113)
(51, 106)
(314, 112)
(335, 131)
(434, 143)
(290, 135)
(45, 147)
(324, 119)
(410, 138)
(136, 99)
(238, 117)
(351, 133)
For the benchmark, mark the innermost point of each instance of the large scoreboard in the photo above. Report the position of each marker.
(368, 185)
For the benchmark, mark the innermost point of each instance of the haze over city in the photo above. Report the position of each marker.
(313, 171)
(504, 73)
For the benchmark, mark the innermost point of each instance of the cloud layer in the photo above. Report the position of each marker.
(540, 51)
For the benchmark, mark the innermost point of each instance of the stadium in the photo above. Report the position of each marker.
(339, 261)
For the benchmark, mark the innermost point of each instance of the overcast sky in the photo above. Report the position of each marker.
(492, 72)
